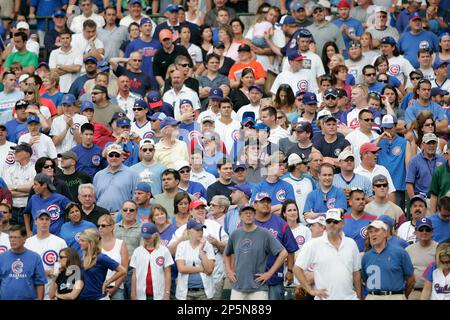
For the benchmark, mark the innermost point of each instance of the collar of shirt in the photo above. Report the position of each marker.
(136, 225)
(121, 168)
(327, 241)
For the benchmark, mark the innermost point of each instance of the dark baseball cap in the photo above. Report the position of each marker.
(22, 147)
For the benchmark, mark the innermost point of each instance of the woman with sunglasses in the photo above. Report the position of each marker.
(117, 250)
(69, 280)
(437, 275)
(31, 95)
(194, 51)
(95, 266)
(381, 65)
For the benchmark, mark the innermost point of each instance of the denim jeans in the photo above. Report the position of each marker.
(127, 284)
(276, 292)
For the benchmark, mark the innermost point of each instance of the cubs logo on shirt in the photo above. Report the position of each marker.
(10, 158)
(245, 245)
(55, 211)
(235, 135)
(337, 151)
(396, 151)
(300, 240)
(394, 69)
(194, 134)
(302, 85)
(160, 261)
(96, 160)
(274, 233)
(148, 134)
(331, 203)
(50, 257)
(363, 232)
(424, 44)
(281, 195)
(77, 236)
(17, 267)
(3, 249)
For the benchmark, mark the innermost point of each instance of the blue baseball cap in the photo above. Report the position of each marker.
(388, 40)
(298, 5)
(244, 187)
(286, 20)
(90, 59)
(424, 222)
(438, 92)
(59, 13)
(144, 21)
(415, 16)
(248, 118)
(262, 195)
(33, 118)
(148, 229)
(386, 219)
(139, 103)
(215, 93)
(172, 8)
(304, 33)
(309, 98)
(196, 225)
(186, 101)
(262, 126)
(87, 105)
(68, 99)
(439, 64)
(168, 121)
(295, 56)
(418, 197)
(42, 212)
(123, 122)
(237, 166)
(255, 86)
(154, 99)
(158, 116)
(103, 66)
(143, 186)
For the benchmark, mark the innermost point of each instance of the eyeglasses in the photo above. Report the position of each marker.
(114, 155)
(330, 98)
(424, 229)
(185, 171)
(383, 81)
(281, 117)
(317, 10)
(137, 60)
(445, 262)
(62, 257)
(184, 65)
(416, 78)
(29, 92)
(128, 210)
(429, 124)
(148, 149)
(382, 185)
(138, 109)
(49, 166)
(368, 120)
(370, 74)
(330, 221)
(95, 93)
(104, 225)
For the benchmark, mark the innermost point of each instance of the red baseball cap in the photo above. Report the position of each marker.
(368, 147)
(343, 4)
(196, 203)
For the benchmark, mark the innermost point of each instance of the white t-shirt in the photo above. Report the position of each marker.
(191, 257)
(277, 134)
(357, 139)
(77, 22)
(300, 80)
(159, 259)
(73, 56)
(302, 235)
(311, 61)
(143, 131)
(4, 242)
(44, 148)
(59, 125)
(174, 99)
(355, 68)
(81, 44)
(228, 132)
(333, 269)
(376, 171)
(302, 187)
(5, 151)
(204, 178)
(406, 232)
(209, 113)
(48, 249)
(248, 108)
(196, 53)
(400, 68)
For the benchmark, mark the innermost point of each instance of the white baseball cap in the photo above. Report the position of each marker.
(146, 141)
(294, 159)
(178, 165)
(23, 25)
(334, 214)
(23, 77)
(378, 224)
(345, 154)
(323, 113)
(319, 220)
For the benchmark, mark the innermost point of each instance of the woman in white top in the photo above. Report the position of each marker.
(195, 262)
(117, 250)
(193, 14)
(437, 275)
(153, 285)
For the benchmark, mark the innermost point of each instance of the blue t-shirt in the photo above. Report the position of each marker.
(56, 98)
(45, 8)
(281, 231)
(377, 87)
(189, 131)
(357, 229)
(399, 242)
(147, 50)
(20, 273)
(89, 159)
(15, 130)
(441, 228)
(3, 184)
(387, 270)
(77, 86)
(95, 277)
(196, 189)
(406, 100)
(354, 27)
(70, 232)
(320, 202)
(210, 162)
(55, 204)
(392, 157)
(409, 45)
(279, 191)
(151, 175)
(413, 111)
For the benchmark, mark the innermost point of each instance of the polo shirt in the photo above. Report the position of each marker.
(320, 202)
(204, 178)
(94, 215)
(16, 174)
(174, 99)
(413, 111)
(357, 139)
(421, 170)
(376, 171)
(357, 181)
(168, 155)
(441, 228)
(440, 182)
(162, 60)
(334, 268)
(131, 235)
(387, 270)
(59, 57)
(8, 100)
(357, 228)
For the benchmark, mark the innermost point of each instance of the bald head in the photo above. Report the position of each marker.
(177, 79)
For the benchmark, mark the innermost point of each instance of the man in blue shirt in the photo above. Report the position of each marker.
(370, 78)
(191, 187)
(423, 102)
(326, 197)
(22, 275)
(89, 154)
(240, 197)
(393, 239)
(441, 219)
(18, 126)
(350, 28)
(278, 190)
(356, 222)
(386, 270)
(406, 14)
(129, 146)
(280, 230)
(422, 166)
(392, 156)
(416, 38)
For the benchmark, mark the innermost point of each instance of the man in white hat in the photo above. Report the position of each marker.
(337, 263)
(194, 188)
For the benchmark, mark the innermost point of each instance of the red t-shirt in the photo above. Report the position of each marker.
(149, 282)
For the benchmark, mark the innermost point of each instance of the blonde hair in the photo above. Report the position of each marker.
(442, 249)
(107, 218)
(94, 247)
(155, 240)
(52, 76)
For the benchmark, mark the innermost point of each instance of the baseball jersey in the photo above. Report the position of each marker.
(196, 189)
(48, 249)
(320, 202)
(392, 157)
(279, 191)
(357, 228)
(4, 242)
(440, 289)
(144, 131)
(302, 187)
(19, 274)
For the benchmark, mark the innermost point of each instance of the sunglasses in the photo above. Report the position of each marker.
(382, 185)
(185, 171)
(330, 221)
(95, 93)
(428, 125)
(370, 74)
(128, 210)
(114, 155)
(138, 109)
(20, 107)
(383, 81)
(148, 149)
(416, 78)
(184, 65)
(445, 262)
(29, 92)
(62, 257)
(279, 118)
(137, 60)
(49, 166)
(368, 120)
(103, 225)
(317, 10)
(424, 229)
(330, 98)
